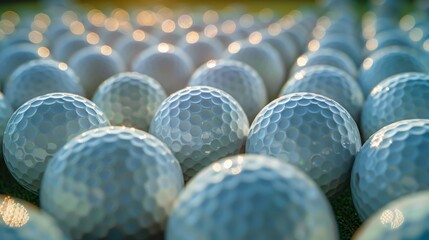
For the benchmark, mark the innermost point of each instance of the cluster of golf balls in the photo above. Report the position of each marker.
(208, 124)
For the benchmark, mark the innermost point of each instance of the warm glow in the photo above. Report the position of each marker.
(77, 28)
(394, 218)
(139, 35)
(35, 37)
(106, 50)
(168, 26)
(426, 45)
(367, 63)
(210, 17)
(234, 47)
(111, 24)
(121, 15)
(68, 17)
(146, 18)
(92, 38)
(11, 16)
(166, 13)
(165, 47)
(407, 22)
(416, 34)
(39, 25)
(13, 214)
(255, 38)
(274, 29)
(211, 64)
(266, 15)
(324, 21)
(371, 44)
(302, 61)
(299, 75)
(313, 45)
(227, 164)
(96, 17)
(63, 66)
(217, 167)
(228, 26)
(43, 52)
(7, 26)
(210, 31)
(246, 20)
(287, 21)
(192, 37)
(369, 32)
(185, 21)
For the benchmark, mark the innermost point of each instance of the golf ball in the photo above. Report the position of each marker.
(41, 126)
(200, 125)
(169, 65)
(67, 45)
(112, 183)
(330, 82)
(251, 197)
(310, 131)
(5, 112)
(20, 220)
(349, 47)
(94, 64)
(40, 77)
(404, 218)
(130, 99)
(239, 80)
(392, 163)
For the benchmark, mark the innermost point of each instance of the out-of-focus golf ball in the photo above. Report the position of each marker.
(200, 125)
(67, 45)
(112, 183)
(169, 65)
(94, 64)
(283, 45)
(351, 48)
(251, 197)
(404, 218)
(385, 63)
(20, 220)
(402, 96)
(328, 81)
(130, 99)
(5, 112)
(391, 164)
(239, 80)
(40, 127)
(310, 131)
(264, 59)
(40, 77)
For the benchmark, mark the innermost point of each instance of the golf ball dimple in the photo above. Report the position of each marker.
(200, 125)
(251, 197)
(310, 131)
(169, 65)
(40, 127)
(95, 64)
(130, 99)
(385, 63)
(20, 220)
(328, 81)
(40, 77)
(391, 164)
(112, 183)
(239, 80)
(404, 218)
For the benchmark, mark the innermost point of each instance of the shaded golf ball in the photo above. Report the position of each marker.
(67, 45)
(351, 48)
(283, 45)
(251, 197)
(40, 77)
(391, 164)
(402, 96)
(385, 63)
(169, 65)
(130, 99)
(330, 82)
(264, 59)
(112, 183)
(94, 64)
(239, 80)
(12, 58)
(20, 220)
(330, 57)
(201, 49)
(404, 218)
(200, 125)
(310, 131)
(40, 127)
(5, 112)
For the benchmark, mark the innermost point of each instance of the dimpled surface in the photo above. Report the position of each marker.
(130, 99)
(5, 112)
(200, 125)
(93, 67)
(40, 127)
(391, 164)
(171, 67)
(20, 220)
(239, 80)
(112, 183)
(40, 77)
(310, 131)
(330, 82)
(265, 60)
(402, 96)
(406, 218)
(330, 57)
(13, 57)
(385, 63)
(251, 197)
